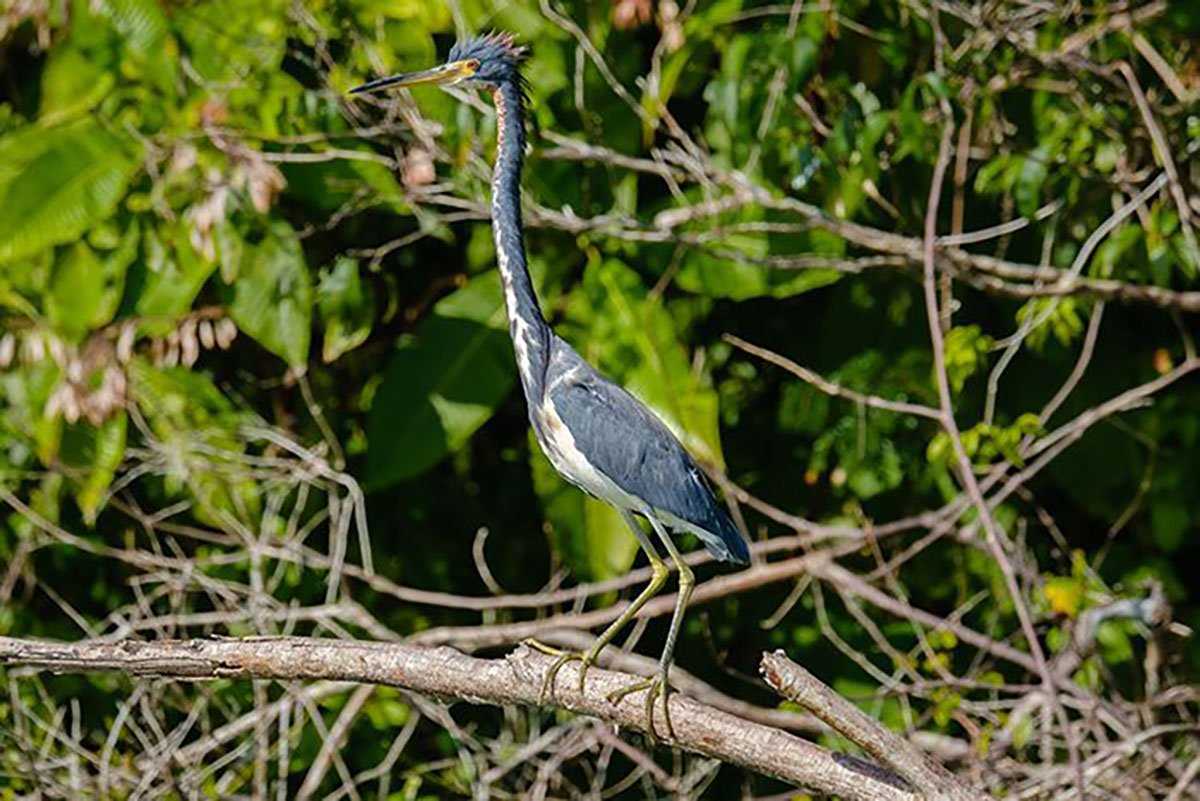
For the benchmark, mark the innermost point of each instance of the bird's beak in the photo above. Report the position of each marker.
(450, 73)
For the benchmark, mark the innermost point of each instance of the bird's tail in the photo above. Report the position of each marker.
(708, 520)
(728, 545)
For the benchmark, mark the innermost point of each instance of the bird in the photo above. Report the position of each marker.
(596, 434)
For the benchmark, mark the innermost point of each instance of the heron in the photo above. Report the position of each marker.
(597, 435)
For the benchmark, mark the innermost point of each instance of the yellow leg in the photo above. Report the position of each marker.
(657, 579)
(660, 686)
(687, 582)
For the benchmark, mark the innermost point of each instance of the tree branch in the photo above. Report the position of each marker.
(515, 679)
(829, 387)
(497, 634)
(797, 684)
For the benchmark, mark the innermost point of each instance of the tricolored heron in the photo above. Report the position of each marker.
(597, 435)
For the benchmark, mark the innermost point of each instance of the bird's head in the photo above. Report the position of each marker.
(490, 61)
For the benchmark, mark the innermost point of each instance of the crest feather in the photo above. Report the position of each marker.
(491, 45)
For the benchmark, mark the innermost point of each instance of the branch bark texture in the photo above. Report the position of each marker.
(796, 684)
(514, 679)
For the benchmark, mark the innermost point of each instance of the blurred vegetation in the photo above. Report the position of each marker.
(199, 234)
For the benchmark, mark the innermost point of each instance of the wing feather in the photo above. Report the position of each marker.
(636, 451)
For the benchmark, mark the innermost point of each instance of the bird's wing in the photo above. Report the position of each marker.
(627, 443)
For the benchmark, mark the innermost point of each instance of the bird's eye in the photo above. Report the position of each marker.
(473, 63)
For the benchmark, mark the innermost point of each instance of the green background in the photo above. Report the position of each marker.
(172, 171)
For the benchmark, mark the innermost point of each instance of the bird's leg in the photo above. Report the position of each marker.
(658, 577)
(687, 581)
(659, 686)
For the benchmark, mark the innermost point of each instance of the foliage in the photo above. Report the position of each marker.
(203, 238)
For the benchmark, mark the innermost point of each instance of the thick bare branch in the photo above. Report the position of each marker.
(797, 684)
(447, 673)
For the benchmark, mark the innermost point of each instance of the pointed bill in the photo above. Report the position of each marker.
(450, 73)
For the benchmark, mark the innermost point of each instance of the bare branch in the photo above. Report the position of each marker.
(719, 587)
(831, 388)
(444, 672)
(797, 684)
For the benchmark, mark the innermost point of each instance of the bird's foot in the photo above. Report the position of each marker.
(585, 662)
(655, 688)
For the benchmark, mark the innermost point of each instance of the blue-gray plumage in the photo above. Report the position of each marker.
(627, 443)
(597, 435)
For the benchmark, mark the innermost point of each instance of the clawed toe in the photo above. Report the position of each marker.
(616, 696)
(655, 688)
(538, 645)
(585, 662)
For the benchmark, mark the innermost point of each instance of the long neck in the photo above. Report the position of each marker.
(530, 334)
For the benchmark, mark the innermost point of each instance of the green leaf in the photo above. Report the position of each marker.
(58, 185)
(802, 409)
(76, 297)
(999, 174)
(1114, 249)
(1022, 732)
(737, 280)
(93, 453)
(946, 702)
(182, 399)
(85, 290)
(12, 299)
(1113, 637)
(193, 421)
(1062, 320)
(230, 248)
(220, 56)
(71, 84)
(272, 299)
(966, 350)
(725, 276)
(167, 280)
(632, 338)
(327, 186)
(25, 392)
(347, 310)
(441, 384)
(869, 478)
(1034, 170)
(141, 24)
